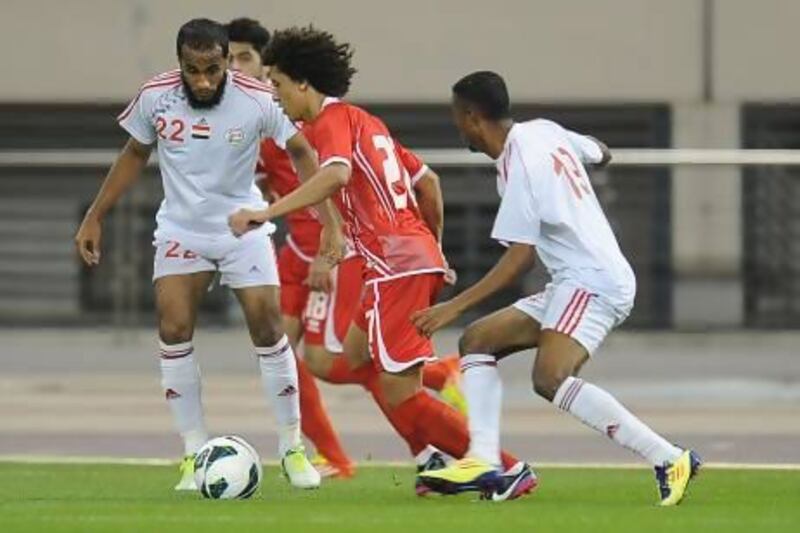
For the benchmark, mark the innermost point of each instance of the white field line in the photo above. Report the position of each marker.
(152, 461)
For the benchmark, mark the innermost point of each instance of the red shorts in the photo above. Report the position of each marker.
(394, 343)
(327, 317)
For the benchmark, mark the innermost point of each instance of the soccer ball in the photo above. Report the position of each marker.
(227, 467)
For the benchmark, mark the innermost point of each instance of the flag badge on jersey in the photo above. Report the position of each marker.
(234, 136)
(201, 130)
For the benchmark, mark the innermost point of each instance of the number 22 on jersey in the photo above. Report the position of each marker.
(173, 132)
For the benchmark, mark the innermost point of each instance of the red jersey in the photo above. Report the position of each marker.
(276, 174)
(378, 203)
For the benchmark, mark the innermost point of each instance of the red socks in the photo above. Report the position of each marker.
(315, 423)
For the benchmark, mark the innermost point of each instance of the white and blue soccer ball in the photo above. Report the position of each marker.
(227, 468)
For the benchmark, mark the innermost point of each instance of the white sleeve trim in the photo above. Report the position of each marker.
(336, 159)
(508, 240)
(135, 133)
(418, 176)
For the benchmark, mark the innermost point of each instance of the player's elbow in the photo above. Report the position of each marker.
(607, 157)
(605, 153)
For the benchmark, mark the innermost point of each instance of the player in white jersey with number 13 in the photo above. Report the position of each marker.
(207, 123)
(548, 209)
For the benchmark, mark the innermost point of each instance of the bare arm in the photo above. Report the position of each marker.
(320, 187)
(431, 206)
(123, 173)
(305, 161)
(516, 260)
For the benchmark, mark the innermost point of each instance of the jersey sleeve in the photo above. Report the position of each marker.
(275, 124)
(415, 167)
(137, 120)
(333, 137)
(517, 218)
(586, 148)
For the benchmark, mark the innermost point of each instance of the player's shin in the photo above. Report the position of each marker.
(180, 379)
(280, 383)
(599, 410)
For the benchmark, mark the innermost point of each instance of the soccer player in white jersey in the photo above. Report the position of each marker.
(206, 123)
(548, 209)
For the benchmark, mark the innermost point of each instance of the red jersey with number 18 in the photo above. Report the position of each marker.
(378, 203)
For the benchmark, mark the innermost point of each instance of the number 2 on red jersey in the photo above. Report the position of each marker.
(397, 180)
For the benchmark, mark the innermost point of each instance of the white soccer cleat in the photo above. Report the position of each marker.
(186, 469)
(299, 470)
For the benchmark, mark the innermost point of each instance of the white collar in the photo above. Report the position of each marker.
(328, 100)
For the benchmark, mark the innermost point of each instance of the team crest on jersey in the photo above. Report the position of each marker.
(201, 130)
(234, 136)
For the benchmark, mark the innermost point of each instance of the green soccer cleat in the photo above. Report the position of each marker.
(186, 468)
(299, 470)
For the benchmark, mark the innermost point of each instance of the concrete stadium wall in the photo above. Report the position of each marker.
(609, 50)
(566, 51)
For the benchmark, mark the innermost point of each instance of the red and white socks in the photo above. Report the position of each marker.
(180, 379)
(280, 383)
(483, 390)
(599, 410)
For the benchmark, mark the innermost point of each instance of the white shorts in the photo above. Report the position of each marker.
(247, 261)
(568, 308)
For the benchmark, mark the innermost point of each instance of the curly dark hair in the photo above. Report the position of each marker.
(310, 55)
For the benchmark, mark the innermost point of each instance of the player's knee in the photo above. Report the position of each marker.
(473, 341)
(175, 331)
(546, 383)
(267, 335)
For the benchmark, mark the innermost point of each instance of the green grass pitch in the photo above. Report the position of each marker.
(116, 498)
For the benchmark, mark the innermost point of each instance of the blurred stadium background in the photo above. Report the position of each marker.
(680, 89)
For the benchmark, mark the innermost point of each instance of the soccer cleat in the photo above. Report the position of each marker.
(517, 481)
(186, 468)
(328, 469)
(451, 395)
(673, 478)
(464, 475)
(298, 470)
(435, 462)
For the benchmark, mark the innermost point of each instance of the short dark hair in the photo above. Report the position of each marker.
(203, 34)
(247, 30)
(486, 91)
(311, 55)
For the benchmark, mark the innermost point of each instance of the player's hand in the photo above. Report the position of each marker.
(450, 275)
(427, 321)
(332, 244)
(319, 275)
(87, 240)
(245, 220)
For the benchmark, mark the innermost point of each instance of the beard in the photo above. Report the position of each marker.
(196, 103)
